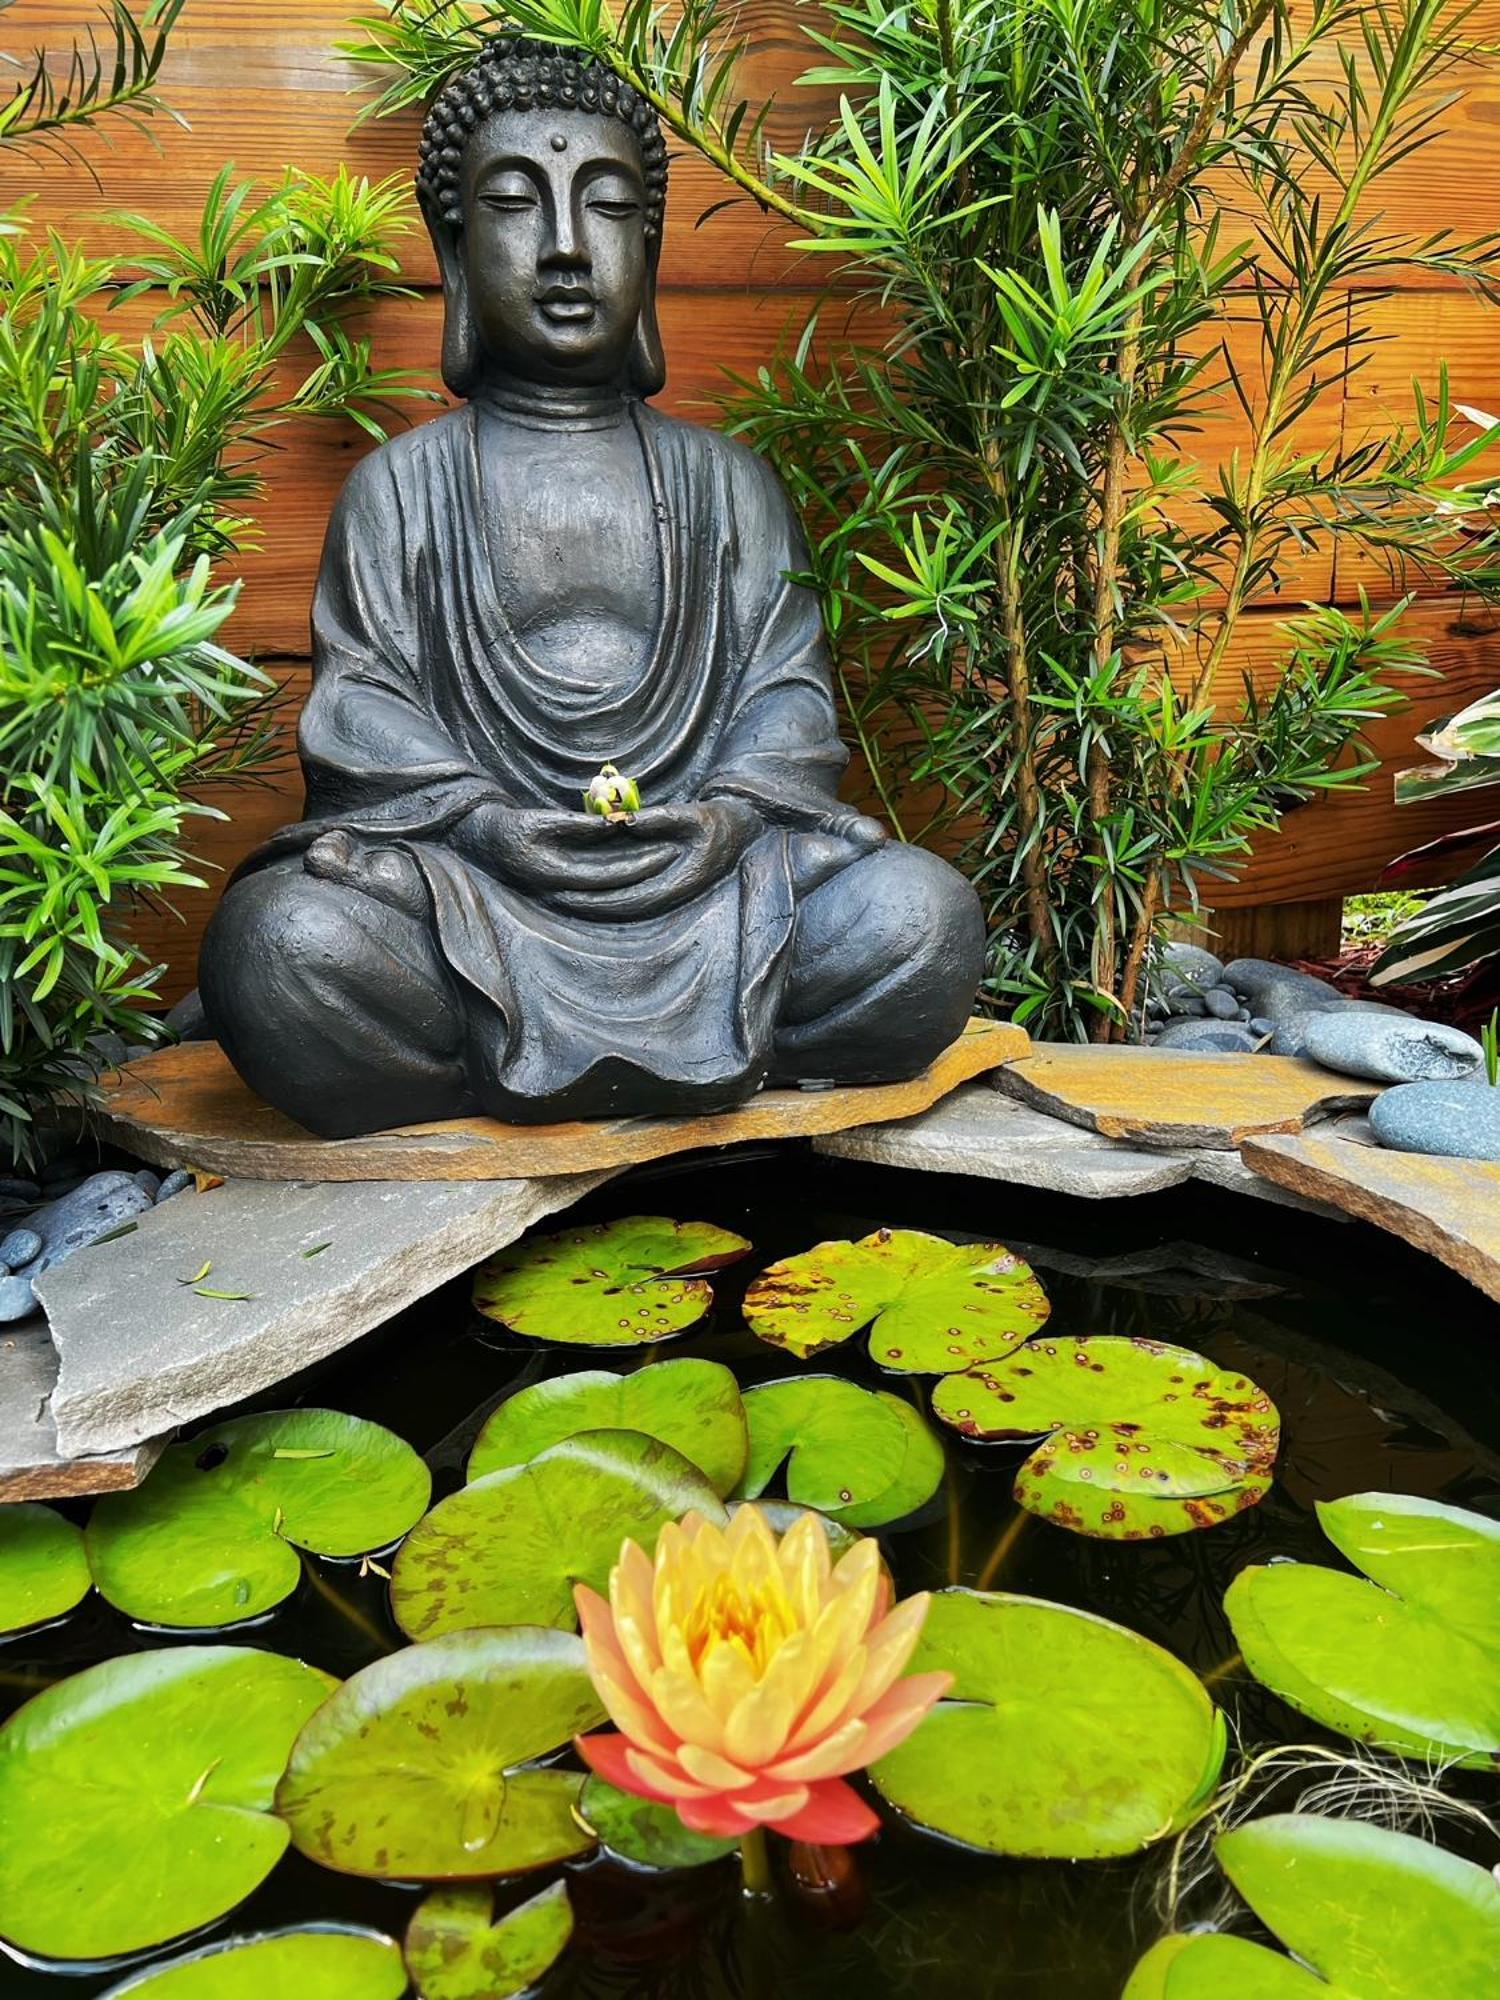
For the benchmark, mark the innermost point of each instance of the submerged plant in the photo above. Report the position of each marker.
(747, 1675)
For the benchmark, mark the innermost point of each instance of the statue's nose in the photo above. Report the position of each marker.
(566, 245)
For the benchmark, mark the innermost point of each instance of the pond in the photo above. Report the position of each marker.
(1379, 1362)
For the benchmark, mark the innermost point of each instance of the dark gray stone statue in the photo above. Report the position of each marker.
(547, 579)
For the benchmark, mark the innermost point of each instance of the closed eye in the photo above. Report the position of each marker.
(614, 207)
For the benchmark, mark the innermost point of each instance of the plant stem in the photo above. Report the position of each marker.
(755, 1864)
(1009, 1536)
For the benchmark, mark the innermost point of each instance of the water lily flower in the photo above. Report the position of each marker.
(612, 795)
(747, 1676)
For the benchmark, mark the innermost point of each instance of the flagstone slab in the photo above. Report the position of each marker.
(218, 1296)
(1449, 1208)
(1167, 1098)
(31, 1466)
(981, 1131)
(185, 1106)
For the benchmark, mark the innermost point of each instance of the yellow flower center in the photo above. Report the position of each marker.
(758, 1621)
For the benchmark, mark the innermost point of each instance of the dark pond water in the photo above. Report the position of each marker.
(1382, 1366)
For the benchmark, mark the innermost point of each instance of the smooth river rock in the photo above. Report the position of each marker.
(1457, 1120)
(95, 1208)
(1391, 1049)
(309, 1267)
(1276, 989)
(1188, 964)
(1224, 1037)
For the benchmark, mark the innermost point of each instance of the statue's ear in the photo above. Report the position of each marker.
(463, 352)
(648, 360)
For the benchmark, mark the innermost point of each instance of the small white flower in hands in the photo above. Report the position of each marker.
(611, 796)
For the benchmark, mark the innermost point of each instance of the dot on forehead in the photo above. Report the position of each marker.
(559, 143)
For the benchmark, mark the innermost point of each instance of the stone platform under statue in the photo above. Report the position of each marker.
(187, 1107)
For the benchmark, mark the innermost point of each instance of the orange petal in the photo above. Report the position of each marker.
(712, 1772)
(830, 1757)
(834, 1816)
(894, 1718)
(758, 1723)
(664, 1780)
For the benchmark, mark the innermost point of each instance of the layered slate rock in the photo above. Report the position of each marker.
(1448, 1208)
(145, 1345)
(1171, 1098)
(186, 1106)
(31, 1466)
(980, 1131)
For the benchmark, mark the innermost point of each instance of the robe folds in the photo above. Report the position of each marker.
(426, 705)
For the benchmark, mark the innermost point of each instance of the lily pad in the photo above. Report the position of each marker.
(43, 1569)
(641, 1831)
(416, 1768)
(614, 1284)
(694, 1406)
(1140, 1438)
(860, 1456)
(1374, 1915)
(457, 1949)
(508, 1549)
(135, 1797)
(312, 1964)
(1410, 1659)
(212, 1536)
(936, 1306)
(1009, 1764)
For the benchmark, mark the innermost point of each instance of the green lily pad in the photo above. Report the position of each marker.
(212, 1536)
(43, 1569)
(860, 1456)
(1008, 1764)
(135, 1797)
(694, 1406)
(1374, 1915)
(508, 1549)
(456, 1948)
(312, 1964)
(613, 1284)
(1141, 1439)
(936, 1306)
(641, 1831)
(1410, 1659)
(416, 1768)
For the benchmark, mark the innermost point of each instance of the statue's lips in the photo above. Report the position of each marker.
(566, 303)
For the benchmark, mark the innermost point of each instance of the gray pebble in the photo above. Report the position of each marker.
(175, 1182)
(101, 1204)
(1391, 1051)
(1192, 963)
(186, 1020)
(1256, 979)
(19, 1248)
(1262, 1024)
(1188, 1007)
(1205, 1037)
(1451, 1119)
(17, 1300)
(13, 1188)
(147, 1182)
(1221, 1003)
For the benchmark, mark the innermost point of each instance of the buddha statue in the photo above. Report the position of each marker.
(549, 578)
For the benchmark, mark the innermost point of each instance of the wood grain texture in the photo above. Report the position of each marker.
(186, 1106)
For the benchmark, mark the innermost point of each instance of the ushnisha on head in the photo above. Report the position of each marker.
(543, 182)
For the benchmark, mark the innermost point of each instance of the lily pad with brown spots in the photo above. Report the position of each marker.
(1138, 1438)
(508, 1548)
(458, 1949)
(612, 1284)
(932, 1306)
(422, 1767)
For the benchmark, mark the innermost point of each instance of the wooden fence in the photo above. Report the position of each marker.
(257, 83)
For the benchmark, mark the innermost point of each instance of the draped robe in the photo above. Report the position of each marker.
(426, 704)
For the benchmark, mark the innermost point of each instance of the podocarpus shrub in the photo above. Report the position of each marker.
(1076, 223)
(126, 466)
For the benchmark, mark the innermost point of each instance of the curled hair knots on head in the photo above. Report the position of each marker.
(516, 74)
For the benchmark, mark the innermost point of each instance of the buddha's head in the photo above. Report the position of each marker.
(543, 182)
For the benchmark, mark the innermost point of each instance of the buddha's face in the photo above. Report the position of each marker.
(555, 244)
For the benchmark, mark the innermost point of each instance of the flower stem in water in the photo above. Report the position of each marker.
(755, 1864)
